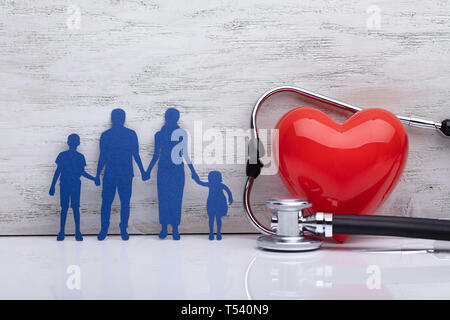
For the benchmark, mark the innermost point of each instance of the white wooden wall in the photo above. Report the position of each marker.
(211, 59)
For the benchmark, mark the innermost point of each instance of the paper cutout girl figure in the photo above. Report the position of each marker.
(70, 167)
(170, 150)
(216, 205)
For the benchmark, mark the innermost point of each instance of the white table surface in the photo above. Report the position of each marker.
(36, 267)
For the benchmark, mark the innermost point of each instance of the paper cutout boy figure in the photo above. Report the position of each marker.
(70, 167)
(118, 147)
(216, 205)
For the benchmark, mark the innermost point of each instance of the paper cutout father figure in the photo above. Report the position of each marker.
(118, 147)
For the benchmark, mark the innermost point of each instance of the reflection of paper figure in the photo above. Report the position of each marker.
(219, 273)
(114, 280)
(216, 205)
(170, 280)
(170, 150)
(118, 146)
(70, 168)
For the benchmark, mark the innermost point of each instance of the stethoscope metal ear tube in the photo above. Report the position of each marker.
(287, 235)
(443, 127)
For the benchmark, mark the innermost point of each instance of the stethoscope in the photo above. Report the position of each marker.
(290, 223)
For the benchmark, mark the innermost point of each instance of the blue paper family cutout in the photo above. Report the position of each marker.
(216, 205)
(70, 168)
(119, 146)
(170, 150)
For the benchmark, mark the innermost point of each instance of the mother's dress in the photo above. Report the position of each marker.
(170, 180)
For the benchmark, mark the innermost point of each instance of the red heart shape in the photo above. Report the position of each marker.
(348, 168)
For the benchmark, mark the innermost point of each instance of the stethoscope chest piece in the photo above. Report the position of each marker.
(286, 222)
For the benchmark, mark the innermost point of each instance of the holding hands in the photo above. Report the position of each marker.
(195, 176)
(145, 175)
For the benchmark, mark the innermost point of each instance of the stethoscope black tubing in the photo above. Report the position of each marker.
(422, 228)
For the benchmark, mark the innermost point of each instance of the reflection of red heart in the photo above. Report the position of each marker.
(341, 168)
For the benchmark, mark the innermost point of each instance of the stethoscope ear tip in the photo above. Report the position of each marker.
(445, 127)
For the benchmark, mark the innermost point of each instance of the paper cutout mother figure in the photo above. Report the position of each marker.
(118, 146)
(170, 149)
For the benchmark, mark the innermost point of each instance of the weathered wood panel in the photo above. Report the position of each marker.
(62, 73)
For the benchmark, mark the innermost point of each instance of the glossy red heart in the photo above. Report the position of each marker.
(348, 168)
